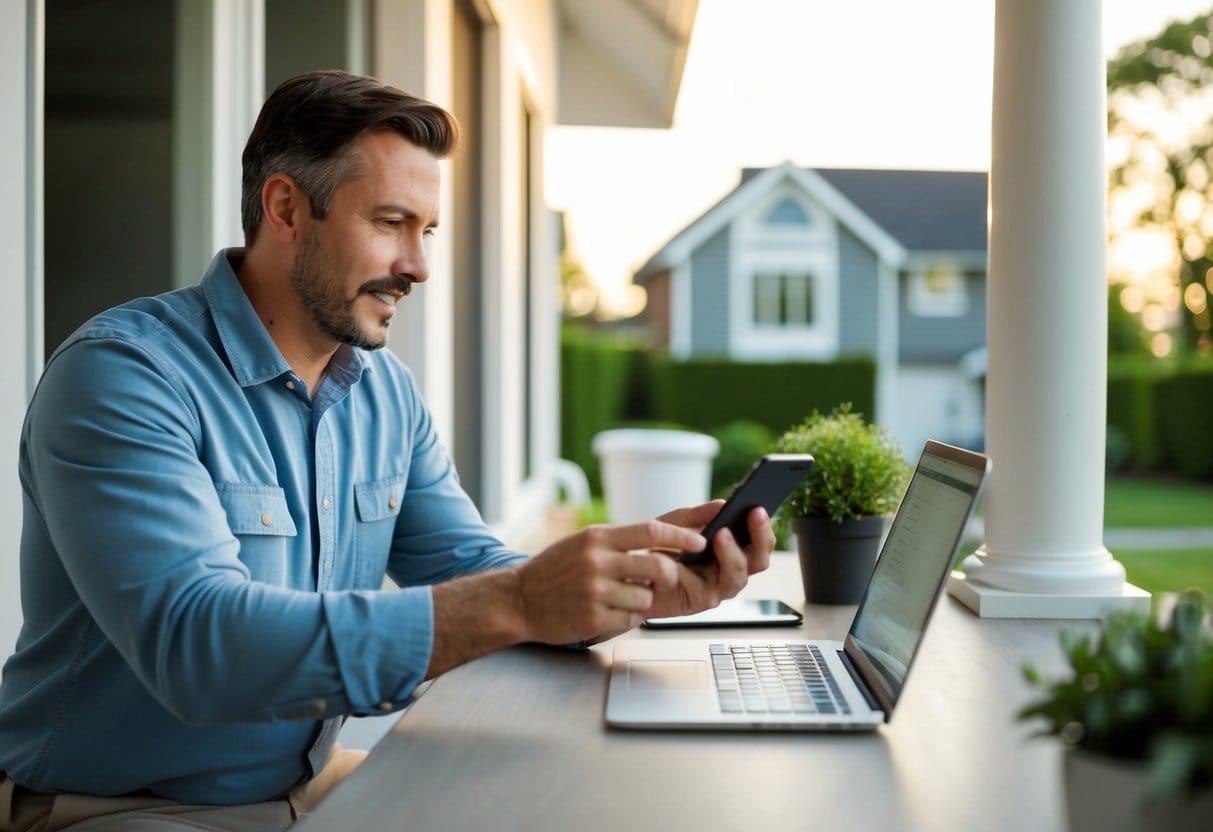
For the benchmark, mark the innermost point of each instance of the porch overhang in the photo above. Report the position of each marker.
(619, 64)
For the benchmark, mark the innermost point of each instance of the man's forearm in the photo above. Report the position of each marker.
(475, 615)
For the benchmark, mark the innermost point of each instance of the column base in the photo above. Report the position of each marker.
(990, 602)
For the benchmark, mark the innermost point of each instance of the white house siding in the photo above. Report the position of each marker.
(759, 246)
(936, 402)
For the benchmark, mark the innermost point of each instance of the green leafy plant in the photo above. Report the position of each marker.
(1141, 690)
(858, 468)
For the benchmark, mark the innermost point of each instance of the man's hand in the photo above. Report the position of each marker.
(703, 586)
(606, 580)
(600, 581)
(597, 583)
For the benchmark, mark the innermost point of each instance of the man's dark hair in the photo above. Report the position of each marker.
(308, 126)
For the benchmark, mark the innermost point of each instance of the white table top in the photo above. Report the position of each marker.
(516, 740)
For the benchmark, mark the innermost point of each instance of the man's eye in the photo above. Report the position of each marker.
(391, 222)
(429, 232)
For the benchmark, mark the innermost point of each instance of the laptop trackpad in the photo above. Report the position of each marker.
(658, 675)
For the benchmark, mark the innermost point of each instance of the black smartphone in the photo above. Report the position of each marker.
(768, 483)
(735, 612)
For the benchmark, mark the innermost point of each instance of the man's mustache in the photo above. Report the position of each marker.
(390, 284)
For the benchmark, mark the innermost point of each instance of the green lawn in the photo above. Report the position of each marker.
(1152, 502)
(1171, 570)
(1141, 501)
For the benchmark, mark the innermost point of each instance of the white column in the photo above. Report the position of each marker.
(1043, 554)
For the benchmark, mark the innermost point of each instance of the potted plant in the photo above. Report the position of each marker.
(1135, 710)
(838, 512)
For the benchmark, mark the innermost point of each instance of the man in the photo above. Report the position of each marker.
(217, 480)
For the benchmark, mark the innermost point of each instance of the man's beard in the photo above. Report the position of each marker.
(319, 288)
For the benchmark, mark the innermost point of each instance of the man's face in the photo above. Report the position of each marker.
(354, 266)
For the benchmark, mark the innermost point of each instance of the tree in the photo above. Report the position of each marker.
(579, 296)
(1160, 128)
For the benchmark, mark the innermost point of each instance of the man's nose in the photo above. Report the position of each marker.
(412, 264)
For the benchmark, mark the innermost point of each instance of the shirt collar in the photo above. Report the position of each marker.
(251, 352)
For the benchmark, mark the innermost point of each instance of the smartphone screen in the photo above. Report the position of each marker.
(735, 612)
(768, 483)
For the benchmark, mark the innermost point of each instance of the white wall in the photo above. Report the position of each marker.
(20, 314)
(935, 402)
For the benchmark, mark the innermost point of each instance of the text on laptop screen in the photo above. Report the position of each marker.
(894, 611)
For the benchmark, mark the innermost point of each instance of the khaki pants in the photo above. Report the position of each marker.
(22, 810)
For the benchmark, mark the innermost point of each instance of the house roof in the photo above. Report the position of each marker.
(753, 185)
(895, 200)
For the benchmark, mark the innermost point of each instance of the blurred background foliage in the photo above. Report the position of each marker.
(1160, 151)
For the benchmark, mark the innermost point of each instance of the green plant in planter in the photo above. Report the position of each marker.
(858, 468)
(837, 511)
(1141, 691)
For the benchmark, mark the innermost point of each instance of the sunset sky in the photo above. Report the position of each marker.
(869, 83)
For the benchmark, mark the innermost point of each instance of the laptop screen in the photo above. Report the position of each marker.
(915, 559)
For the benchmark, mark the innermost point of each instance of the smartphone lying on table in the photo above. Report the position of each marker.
(735, 612)
(767, 484)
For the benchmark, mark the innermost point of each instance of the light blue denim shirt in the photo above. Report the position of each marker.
(203, 548)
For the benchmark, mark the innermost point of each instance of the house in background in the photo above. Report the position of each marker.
(814, 264)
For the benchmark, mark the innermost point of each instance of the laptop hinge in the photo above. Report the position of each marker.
(859, 681)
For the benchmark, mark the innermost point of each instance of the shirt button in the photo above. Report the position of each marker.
(267, 520)
(290, 385)
(391, 502)
(318, 708)
(385, 706)
(325, 503)
(328, 566)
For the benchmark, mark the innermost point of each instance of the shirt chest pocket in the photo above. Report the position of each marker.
(378, 505)
(259, 518)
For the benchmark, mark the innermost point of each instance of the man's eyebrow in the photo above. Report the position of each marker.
(407, 213)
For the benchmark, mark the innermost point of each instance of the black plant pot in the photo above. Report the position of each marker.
(836, 559)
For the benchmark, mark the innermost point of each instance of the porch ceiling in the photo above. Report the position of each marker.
(620, 62)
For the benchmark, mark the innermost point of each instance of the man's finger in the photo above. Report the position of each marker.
(693, 516)
(654, 535)
(630, 597)
(648, 568)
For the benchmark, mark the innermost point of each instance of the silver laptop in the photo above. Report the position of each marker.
(814, 685)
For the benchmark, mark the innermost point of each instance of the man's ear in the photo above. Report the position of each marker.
(284, 207)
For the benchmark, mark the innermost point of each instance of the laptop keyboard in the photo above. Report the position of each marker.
(775, 678)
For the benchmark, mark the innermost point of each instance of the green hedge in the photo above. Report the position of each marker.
(1131, 411)
(705, 394)
(1165, 411)
(607, 382)
(602, 384)
(1185, 419)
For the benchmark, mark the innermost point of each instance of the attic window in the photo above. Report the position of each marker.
(787, 211)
